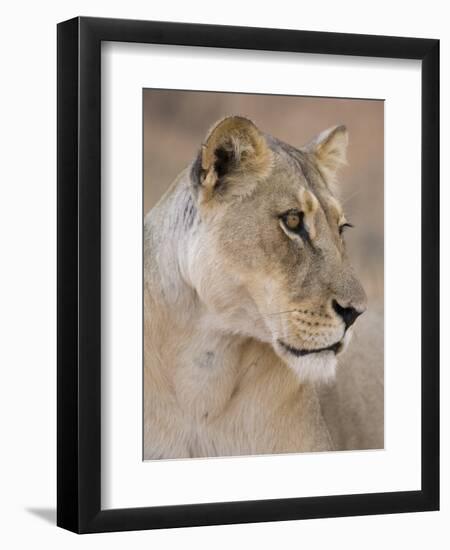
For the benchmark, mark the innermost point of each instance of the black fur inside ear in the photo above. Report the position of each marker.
(224, 162)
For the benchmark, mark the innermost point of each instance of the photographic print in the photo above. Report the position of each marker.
(230, 305)
(263, 275)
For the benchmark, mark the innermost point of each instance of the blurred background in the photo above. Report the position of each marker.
(175, 124)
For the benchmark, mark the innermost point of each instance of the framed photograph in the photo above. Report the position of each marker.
(248, 289)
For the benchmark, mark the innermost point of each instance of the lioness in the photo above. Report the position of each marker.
(249, 298)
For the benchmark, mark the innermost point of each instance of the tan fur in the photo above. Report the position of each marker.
(226, 283)
(330, 147)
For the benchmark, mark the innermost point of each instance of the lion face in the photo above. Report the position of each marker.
(268, 255)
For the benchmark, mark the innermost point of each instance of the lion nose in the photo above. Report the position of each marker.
(348, 314)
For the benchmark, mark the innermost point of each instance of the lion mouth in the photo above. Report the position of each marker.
(335, 348)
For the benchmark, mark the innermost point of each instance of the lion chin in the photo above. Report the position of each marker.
(316, 367)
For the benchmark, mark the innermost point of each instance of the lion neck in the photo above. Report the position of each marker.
(189, 351)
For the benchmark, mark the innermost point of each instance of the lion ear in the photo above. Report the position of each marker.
(232, 159)
(330, 151)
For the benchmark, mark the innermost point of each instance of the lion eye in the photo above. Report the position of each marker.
(292, 220)
(344, 226)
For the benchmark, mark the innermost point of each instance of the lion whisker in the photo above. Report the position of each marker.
(280, 312)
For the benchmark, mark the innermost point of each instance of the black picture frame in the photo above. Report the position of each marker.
(79, 280)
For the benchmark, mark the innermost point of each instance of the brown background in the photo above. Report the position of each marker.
(175, 123)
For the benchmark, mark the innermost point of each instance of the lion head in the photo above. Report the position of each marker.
(267, 257)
